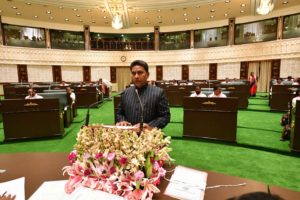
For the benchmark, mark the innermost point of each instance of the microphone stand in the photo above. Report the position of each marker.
(87, 118)
(142, 114)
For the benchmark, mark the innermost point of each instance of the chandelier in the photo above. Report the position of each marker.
(117, 22)
(265, 6)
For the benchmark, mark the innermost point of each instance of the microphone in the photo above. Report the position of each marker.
(142, 108)
(87, 118)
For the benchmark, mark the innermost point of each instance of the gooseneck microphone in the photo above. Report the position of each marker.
(142, 113)
(87, 118)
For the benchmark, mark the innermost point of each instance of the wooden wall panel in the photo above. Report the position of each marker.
(185, 72)
(22, 73)
(113, 74)
(159, 73)
(56, 73)
(86, 70)
(213, 68)
(244, 70)
(275, 69)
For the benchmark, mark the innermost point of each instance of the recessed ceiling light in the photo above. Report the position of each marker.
(75, 9)
(243, 5)
(158, 10)
(51, 18)
(35, 16)
(66, 19)
(77, 15)
(61, 7)
(198, 18)
(225, 14)
(212, 16)
(48, 12)
(146, 11)
(0, 11)
(105, 17)
(18, 13)
(242, 11)
(173, 21)
(159, 17)
(89, 10)
(28, 3)
(148, 22)
(198, 6)
(14, 7)
(80, 20)
(227, 1)
(285, 2)
(136, 17)
(211, 4)
(184, 14)
(185, 19)
(212, 10)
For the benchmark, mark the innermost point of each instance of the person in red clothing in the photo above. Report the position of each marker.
(253, 84)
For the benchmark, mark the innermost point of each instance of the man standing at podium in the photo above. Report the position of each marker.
(143, 103)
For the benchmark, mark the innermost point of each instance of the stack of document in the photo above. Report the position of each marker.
(187, 184)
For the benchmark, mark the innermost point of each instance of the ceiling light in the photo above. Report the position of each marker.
(0, 11)
(14, 7)
(242, 11)
(148, 22)
(136, 17)
(80, 20)
(93, 22)
(51, 18)
(211, 4)
(212, 10)
(159, 17)
(198, 18)
(28, 3)
(105, 17)
(48, 12)
(66, 19)
(212, 16)
(158, 10)
(146, 11)
(89, 10)
(61, 7)
(227, 1)
(185, 19)
(265, 6)
(198, 6)
(243, 5)
(184, 14)
(173, 21)
(285, 2)
(225, 14)
(117, 22)
(18, 13)
(36, 16)
(75, 9)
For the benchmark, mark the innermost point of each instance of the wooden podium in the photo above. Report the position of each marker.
(295, 130)
(34, 118)
(213, 118)
(281, 95)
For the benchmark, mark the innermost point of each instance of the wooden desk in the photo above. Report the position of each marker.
(117, 100)
(176, 93)
(40, 167)
(34, 118)
(213, 118)
(85, 96)
(239, 91)
(281, 95)
(295, 130)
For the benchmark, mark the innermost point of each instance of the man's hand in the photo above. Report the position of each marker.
(145, 127)
(123, 123)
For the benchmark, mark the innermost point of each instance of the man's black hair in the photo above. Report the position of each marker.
(140, 63)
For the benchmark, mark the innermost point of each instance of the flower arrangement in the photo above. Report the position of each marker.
(118, 161)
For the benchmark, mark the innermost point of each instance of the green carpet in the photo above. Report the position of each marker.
(258, 154)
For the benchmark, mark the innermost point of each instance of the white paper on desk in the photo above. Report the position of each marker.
(119, 127)
(187, 184)
(56, 190)
(14, 187)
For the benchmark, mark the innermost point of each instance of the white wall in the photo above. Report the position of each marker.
(199, 72)
(100, 72)
(39, 73)
(172, 72)
(290, 67)
(152, 71)
(71, 73)
(8, 73)
(229, 70)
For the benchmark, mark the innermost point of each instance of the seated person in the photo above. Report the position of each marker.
(279, 82)
(63, 83)
(198, 92)
(226, 81)
(71, 94)
(217, 92)
(296, 81)
(33, 95)
(295, 99)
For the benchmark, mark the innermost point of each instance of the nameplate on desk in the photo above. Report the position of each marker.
(30, 104)
(209, 103)
(187, 183)
(231, 88)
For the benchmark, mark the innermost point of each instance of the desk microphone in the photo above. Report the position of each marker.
(87, 118)
(142, 113)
